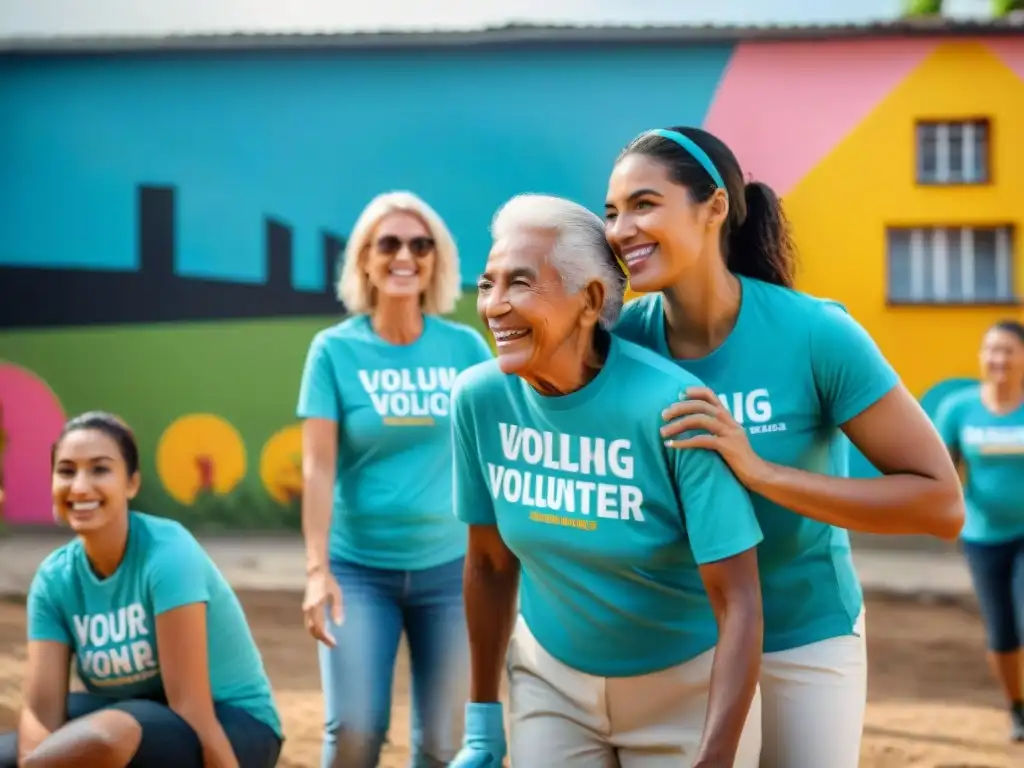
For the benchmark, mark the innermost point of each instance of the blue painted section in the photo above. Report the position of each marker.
(930, 401)
(309, 137)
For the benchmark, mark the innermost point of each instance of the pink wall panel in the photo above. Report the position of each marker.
(783, 107)
(1011, 51)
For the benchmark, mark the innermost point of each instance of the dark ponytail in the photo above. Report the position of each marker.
(761, 246)
(756, 241)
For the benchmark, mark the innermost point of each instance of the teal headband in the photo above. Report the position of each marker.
(695, 151)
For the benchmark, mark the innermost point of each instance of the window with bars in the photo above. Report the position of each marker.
(950, 265)
(953, 152)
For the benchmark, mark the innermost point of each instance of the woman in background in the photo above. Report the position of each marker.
(172, 675)
(787, 374)
(983, 426)
(384, 551)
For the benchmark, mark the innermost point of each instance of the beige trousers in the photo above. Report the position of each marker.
(560, 717)
(813, 701)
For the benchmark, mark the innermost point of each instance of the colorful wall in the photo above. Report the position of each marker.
(169, 224)
(847, 172)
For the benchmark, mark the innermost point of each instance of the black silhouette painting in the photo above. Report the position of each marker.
(35, 297)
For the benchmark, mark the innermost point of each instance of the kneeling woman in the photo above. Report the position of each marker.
(639, 643)
(172, 674)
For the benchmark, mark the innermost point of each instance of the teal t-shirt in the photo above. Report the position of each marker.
(110, 626)
(991, 447)
(392, 494)
(793, 369)
(608, 524)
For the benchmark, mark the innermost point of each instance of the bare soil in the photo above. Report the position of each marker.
(932, 702)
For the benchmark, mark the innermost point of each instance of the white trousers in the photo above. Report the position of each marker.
(560, 717)
(812, 702)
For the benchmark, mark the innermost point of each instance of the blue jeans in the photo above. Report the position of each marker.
(997, 571)
(357, 674)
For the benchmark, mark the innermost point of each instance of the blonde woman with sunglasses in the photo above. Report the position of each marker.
(384, 550)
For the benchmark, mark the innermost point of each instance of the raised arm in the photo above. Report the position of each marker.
(919, 491)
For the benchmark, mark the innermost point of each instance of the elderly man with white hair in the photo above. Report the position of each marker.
(639, 639)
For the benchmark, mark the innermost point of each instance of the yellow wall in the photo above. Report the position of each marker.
(840, 211)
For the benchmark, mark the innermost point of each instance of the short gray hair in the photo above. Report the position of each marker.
(581, 252)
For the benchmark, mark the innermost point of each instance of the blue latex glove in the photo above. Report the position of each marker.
(484, 743)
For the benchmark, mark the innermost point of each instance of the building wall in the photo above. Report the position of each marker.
(841, 209)
(169, 224)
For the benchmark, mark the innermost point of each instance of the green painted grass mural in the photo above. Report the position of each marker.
(212, 405)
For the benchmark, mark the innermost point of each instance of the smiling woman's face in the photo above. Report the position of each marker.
(1002, 356)
(653, 224)
(524, 302)
(401, 256)
(91, 486)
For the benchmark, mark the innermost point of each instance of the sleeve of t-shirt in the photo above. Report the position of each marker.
(45, 621)
(474, 504)
(177, 575)
(850, 371)
(947, 421)
(319, 397)
(717, 510)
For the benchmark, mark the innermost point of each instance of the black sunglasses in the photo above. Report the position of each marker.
(390, 245)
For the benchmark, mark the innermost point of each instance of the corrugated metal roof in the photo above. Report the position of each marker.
(512, 35)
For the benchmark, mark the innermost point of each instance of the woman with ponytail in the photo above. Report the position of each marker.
(787, 375)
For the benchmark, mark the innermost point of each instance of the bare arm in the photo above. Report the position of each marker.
(319, 465)
(45, 694)
(734, 589)
(919, 491)
(491, 585)
(182, 637)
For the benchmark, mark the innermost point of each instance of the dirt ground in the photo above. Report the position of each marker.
(932, 704)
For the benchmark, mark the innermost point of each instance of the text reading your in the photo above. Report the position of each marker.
(115, 644)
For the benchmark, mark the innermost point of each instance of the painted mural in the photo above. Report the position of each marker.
(170, 226)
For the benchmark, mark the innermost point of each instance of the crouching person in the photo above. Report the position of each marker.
(172, 674)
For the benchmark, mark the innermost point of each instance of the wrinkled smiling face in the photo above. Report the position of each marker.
(401, 256)
(91, 486)
(525, 304)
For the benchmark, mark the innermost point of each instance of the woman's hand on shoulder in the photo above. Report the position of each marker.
(702, 413)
